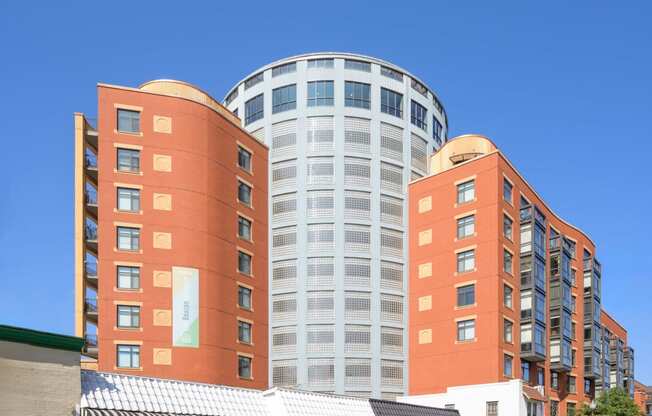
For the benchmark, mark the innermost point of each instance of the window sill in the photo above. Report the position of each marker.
(127, 290)
(251, 276)
(245, 378)
(242, 308)
(247, 171)
(245, 239)
(124, 211)
(469, 341)
(473, 305)
(115, 368)
(456, 239)
(127, 329)
(465, 272)
(128, 133)
(128, 172)
(250, 344)
(460, 204)
(120, 250)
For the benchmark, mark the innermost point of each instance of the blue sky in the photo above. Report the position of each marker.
(564, 88)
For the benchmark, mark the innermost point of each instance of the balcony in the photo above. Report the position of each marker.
(531, 353)
(90, 199)
(90, 235)
(90, 164)
(90, 271)
(90, 308)
(90, 345)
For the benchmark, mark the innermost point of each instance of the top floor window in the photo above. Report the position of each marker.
(284, 69)
(419, 87)
(391, 102)
(357, 94)
(418, 115)
(244, 158)
(128, 121)
(390, 73)
(284, 98)
(254, 109)
(437, 129)
(256, 79)
(507, 190)
(357, 65)
(231, 97)
(321, 63)
(466, 192)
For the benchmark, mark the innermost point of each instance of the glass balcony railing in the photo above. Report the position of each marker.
(90, 196)
(90, 160)
(91, 232)
(91, 269)
(90, 340)
(90, 305)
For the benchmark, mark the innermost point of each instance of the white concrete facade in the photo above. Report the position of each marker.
(475, 399)
(338, 215)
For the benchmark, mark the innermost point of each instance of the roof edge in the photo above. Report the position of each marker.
(40, 338)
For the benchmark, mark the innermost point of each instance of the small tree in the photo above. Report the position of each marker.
(613, 402)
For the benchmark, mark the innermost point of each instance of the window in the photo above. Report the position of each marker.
(437, 129)
(391, 102)
(244, 158)
(507, 261)
(320, 63)
(128, 199)
(320, 93)
(466, 295)
(508, 296)
(570, 409)
(128, 238)
(465, 192)
(128, 121)
(525, 371)
(572, 386)
(244, 193)
(284, 98)
(465, 227)
(587, 386)
(253, 80)
(356, 94)
(244, 297)
(418, 115)
(507, 227)
(244, 332)
(554, 408)
(554, 380)
(507, 190)
(254, 109)
(390, 73)
(244, 228)
(244, 366)
(128, 277)
(128, 316)
(492, 408)
(128, 160)
(232, 96)
(465, 261)
(508, 327)
(357, 65)
(244, 263)
(466, 330)
(284, 69)
(507, 365)
(540, 380)
(419, 87)
(128, 356)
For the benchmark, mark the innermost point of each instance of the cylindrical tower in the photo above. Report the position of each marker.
(347, 133)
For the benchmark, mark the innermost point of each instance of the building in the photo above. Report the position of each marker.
(618, 356)
(347, 133)
(39, 372)
(501, 289)
(106, 394)
(643, 397)
(171, 237)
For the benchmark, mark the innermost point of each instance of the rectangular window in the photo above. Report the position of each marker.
(465, 227)
(244, 158)
(507, 191)
(128, 160)
(492, 408)
(525, 371)
(244, 263)
(540, 380)
(320, 93)
(418, 115)
(390, 73)
(420, 88)
(508, 296)
(284, 69)
(466, 192)
(507, 261)
(128, 356)
(466, 330)
(357, 94)
(244, 297)
(554, 380)
(572, 387)
(244, 193)
(128, 238)
(466, 295)
(253, 80)
(128, 316)
(254, 109)
(507, 365)
(128, 121)
(244, 366)
(128, 277)
(391, 102)
(465, 261)
(244, 332)
(508, 327)
(507, 227)
(437, 129)
(244, 228)
(128, 199)
(284, 98)
(570, 409)
(321, 63)
(357, 65)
